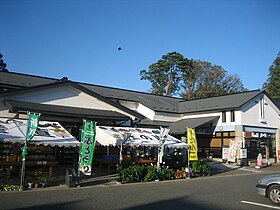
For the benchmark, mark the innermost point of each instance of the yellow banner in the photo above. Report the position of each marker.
(192, 144)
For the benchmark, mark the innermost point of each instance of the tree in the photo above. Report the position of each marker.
(203, 79)
(272, 85)
(164, 75)
(174, 74)
(3, 65)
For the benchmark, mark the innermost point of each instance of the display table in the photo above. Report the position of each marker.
(109, 165)
(147, 160)
(9, 165)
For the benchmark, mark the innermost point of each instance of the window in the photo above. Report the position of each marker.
(232, 116)
(224, 118)
(262, 110)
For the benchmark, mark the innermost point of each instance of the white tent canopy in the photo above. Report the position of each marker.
(107, 136)
(48, 133)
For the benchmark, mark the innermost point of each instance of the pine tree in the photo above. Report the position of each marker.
(272, 85)
(3, 65)
(191, 79)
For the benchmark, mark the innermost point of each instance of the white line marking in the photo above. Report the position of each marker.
(251, 170)
(260, 204)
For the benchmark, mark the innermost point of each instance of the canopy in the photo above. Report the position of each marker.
(139, 137)
(181, 125)
(48, 133)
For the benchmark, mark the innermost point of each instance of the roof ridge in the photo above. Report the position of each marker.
(135, 91)
(29, 75)
(85, 83)
(229, 94)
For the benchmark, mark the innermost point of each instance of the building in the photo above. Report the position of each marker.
(250, 118)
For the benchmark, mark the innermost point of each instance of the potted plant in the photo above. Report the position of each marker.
(44, 179)
(30, 182)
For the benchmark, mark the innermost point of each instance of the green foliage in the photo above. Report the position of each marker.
(199, 167)
(165, 174)
(174, 74)
(133, 174)
(3, 65)
(9, 188)
(161, 72)
(138, 173)
(151, 174)
(272, 84)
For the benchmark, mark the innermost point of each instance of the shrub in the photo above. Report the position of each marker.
(165, 174)
(145, 173)
(199, 167)
(151, 174)
(133, 174)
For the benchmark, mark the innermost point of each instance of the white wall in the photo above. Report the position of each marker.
(251, 114)
(65, 96)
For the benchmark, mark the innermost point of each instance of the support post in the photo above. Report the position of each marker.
(22, 177)
(189, 167)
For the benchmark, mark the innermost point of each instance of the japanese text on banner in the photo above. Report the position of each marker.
(192, 144)
(88, 144)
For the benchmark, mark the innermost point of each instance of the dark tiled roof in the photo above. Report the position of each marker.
(180, 126)
(64, 110)
(276, 102)
(153, 123)
(23, 80)
(79, 87)
(154, 102)
(218, 103)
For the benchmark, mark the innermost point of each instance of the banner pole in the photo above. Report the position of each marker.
(24, 152)
(80, 153)
(189, 168)
(32, 126)
(22, 177)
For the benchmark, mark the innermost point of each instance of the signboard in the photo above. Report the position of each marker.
(225, 153)
(234, 150)
(192, 144)
(88, 144)
(243, 153)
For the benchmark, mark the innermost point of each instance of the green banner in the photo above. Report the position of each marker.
(88, 144)
(32, 125)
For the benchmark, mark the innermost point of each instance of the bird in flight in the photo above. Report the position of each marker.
(119, 49)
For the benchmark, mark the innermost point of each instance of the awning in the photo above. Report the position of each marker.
(179, 127)
(48, 133)
(139, 137)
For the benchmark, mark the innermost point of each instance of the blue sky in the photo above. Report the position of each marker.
(80, 39)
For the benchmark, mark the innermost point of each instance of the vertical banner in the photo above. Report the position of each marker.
(87, 146)
(192, 144)
(162, 138)
(32, 125)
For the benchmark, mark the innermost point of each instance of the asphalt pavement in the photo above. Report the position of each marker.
(100, 178)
